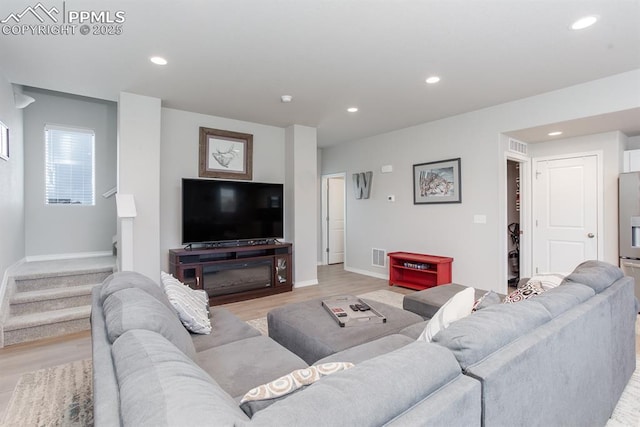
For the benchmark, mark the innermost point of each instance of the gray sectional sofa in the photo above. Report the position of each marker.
(560, 358)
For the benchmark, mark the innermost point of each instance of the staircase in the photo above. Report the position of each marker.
(52, 298)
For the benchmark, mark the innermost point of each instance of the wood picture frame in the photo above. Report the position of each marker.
(225, 154)
(437, 182)
(4, 141)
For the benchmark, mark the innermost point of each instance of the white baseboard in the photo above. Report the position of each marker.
(367, 273)
(54, 257)
(305, 283)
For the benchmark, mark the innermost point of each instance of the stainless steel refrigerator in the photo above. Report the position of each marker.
(629, 225)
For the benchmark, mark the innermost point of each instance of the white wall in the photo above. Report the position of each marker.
(633, 143)
(12, 248)
(179, 159)
(478, 249)
(301, 215)
(139, 175)
(67, 229)
(610, 144)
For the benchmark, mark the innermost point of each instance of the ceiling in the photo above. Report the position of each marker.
(236, 58)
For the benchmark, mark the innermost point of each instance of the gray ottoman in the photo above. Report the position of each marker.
(307, 329)
(427, 302)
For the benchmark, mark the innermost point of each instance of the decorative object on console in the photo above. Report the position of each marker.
(459, 306)
(264, 395)
(437, 182)
(225, 154)
(362, 184)
(192, 305)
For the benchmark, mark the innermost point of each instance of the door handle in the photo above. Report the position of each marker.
(591, 235)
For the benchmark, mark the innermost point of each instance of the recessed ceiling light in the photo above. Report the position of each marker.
(286, 98)
(352, 109)
(584, 22)
(433, 79)
(158, 60)
(555, 133)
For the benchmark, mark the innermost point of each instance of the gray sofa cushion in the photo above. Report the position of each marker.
(369, 394)
(414, 331)
(226, 328)
(561, 298)
(135, 309)
(597, 275)
(242, 365)
(160, 386)
(131, 279)
(478, 335)
(368, 350)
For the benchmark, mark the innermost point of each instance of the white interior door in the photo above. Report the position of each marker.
(335, 220)
(565, 208)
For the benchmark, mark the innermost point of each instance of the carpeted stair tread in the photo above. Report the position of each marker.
(46, 318)
(62, 273)
(40, 269)
(48, 294)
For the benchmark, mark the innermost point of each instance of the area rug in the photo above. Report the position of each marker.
(627, 411)
(57, 396)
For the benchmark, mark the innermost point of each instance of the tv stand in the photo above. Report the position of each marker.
(236, 272)
(231, 244)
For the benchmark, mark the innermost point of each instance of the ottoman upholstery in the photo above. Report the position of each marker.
(307, 329)
(427, 302)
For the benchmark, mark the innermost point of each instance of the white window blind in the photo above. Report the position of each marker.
(69, 166)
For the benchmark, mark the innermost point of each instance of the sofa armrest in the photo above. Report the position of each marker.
(371, 393)
(106, 397)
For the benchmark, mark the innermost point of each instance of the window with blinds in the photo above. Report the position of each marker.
(69, 166)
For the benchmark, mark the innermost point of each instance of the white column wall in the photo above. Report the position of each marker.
(139, 120)
(301, 212)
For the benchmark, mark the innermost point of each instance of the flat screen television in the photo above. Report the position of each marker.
(224, 211)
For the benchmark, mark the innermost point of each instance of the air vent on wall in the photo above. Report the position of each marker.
(378, 257)
(517, 146)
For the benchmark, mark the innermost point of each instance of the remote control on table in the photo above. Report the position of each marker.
(363, 307)
(354, 307)
(341, 314)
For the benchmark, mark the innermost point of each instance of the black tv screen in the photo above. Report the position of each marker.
(216, 211)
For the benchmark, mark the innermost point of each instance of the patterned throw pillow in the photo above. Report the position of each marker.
(191, 305)
(458, 306)
(266, 394)
(525, 292)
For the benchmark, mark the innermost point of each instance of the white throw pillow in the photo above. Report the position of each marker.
(190, 304)
(458, 306)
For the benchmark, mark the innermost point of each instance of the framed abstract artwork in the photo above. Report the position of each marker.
(437, 182)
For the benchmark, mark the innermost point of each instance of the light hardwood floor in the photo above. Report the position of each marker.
(22, 358)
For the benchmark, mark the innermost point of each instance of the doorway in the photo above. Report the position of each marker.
(514, 221)
(334, 219)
